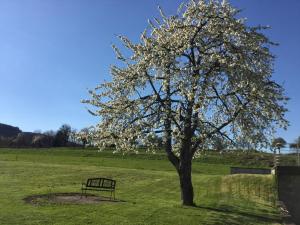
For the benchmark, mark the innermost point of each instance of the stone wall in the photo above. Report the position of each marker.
(288, 178)
(239, 170)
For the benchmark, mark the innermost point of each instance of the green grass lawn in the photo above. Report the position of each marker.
(147, 184)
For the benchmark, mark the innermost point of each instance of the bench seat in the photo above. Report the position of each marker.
(99, 184)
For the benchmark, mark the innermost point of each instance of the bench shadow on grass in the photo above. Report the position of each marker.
(236, 215)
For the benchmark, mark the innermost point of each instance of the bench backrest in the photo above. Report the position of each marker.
(101, 183)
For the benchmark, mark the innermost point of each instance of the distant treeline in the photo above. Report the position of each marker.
(14, 137)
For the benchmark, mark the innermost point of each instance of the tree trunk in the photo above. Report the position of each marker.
(185, 177)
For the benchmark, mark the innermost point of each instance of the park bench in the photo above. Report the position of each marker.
(99, 184)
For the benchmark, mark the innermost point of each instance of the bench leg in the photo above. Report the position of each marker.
(83, 192)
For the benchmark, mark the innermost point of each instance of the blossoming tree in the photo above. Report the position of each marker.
(195, 76)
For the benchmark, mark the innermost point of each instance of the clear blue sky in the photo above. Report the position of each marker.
(52, 51)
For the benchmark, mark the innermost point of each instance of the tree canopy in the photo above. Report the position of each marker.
(296, 143)
(278, 142)
(193, 77)
(62, 136)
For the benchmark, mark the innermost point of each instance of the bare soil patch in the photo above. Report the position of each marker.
(68, 198)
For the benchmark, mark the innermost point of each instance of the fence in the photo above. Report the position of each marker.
(287, 157)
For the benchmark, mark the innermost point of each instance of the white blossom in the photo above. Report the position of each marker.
(203, 72)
